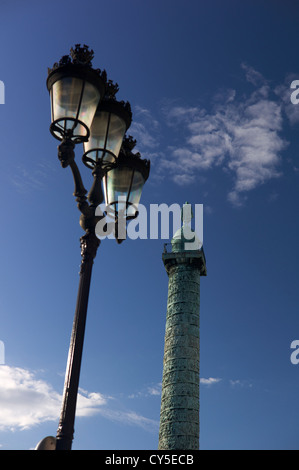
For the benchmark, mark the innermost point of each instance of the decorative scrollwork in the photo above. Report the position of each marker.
(66, 153)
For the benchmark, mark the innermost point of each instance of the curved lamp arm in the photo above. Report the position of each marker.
(88, 219)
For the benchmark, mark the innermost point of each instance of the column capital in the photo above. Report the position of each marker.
(193, 258)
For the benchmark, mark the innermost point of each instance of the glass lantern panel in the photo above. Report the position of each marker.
(117, 184)
(107, 132)
(69, 102)
(135, 193)
(117, 129)
(89, 104)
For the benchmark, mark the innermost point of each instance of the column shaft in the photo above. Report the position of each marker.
(179, 418)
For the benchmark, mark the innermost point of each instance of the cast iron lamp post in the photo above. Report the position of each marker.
(84, 110)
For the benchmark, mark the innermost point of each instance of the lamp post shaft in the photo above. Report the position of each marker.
(65, 432)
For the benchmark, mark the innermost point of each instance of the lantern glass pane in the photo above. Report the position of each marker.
(117, 184)
(123, 186)
(73, 98)
(135, 193)
(106, 133)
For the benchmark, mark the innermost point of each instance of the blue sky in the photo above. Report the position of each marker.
(209, 86)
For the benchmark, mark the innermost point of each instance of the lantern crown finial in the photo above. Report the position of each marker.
(81, 55)
(129, 143)
(111, 90)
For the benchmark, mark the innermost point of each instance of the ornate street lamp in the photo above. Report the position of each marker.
(84, 109)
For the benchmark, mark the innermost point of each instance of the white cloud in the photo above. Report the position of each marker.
(241, 383)
(240, 134)
(252, 75)
(210, 381)
(152, 390)
(155, 390)
(143, 136)
(237, 383)
(177, 114)
(26, 401)
(131, 418)
(145, 129)
(89, 403)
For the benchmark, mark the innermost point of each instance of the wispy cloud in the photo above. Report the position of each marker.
(26, 401)
(155, 390)
(210, 381)
(253, 76)
(241, 383)
(131, 418)
(149, 391)
(240, 133)
(145, 129)
(35, 180)
(232, 383)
